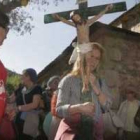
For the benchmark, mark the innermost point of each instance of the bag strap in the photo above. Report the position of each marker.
(111, 116)
(23, 96)
(100, 83)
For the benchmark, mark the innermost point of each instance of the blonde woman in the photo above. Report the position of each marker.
(82, 96)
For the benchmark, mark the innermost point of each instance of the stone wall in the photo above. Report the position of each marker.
(122, 66)
(130, 20)
(122, 63)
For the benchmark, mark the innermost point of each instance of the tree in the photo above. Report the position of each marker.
(12, 82)
(8, 5)
(17, 14)
(21, 20)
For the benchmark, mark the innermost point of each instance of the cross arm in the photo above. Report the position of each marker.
(91, 11)
(95, 18)
(57, 17)
(50, 19)
(117, 7)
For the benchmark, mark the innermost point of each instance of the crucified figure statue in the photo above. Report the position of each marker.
(83, 44)
(81, 24)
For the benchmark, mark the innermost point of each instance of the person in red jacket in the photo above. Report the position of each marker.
(4, 22)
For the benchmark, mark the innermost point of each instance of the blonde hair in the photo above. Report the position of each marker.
(80, 69)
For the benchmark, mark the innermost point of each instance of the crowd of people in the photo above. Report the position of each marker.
(71, 107)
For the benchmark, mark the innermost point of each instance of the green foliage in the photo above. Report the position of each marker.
(21, 20)
(12, 83)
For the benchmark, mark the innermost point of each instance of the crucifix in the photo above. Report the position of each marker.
(80, 19)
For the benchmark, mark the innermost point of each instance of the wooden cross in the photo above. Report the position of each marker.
(86, 11)
(82, 24)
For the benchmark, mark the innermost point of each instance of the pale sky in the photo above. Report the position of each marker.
(47, 41)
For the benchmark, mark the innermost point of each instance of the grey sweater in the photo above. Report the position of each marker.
(69, 93)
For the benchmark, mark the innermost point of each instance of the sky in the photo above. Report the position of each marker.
(46, 41)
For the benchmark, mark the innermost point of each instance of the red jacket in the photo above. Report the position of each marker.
(3, 77)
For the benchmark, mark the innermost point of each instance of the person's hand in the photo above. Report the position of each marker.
(9, 107)
(93, 83)
(11, 115)
(88, 108)
(92, 79)
(10, 111)
(55, 16)
(109, 7)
